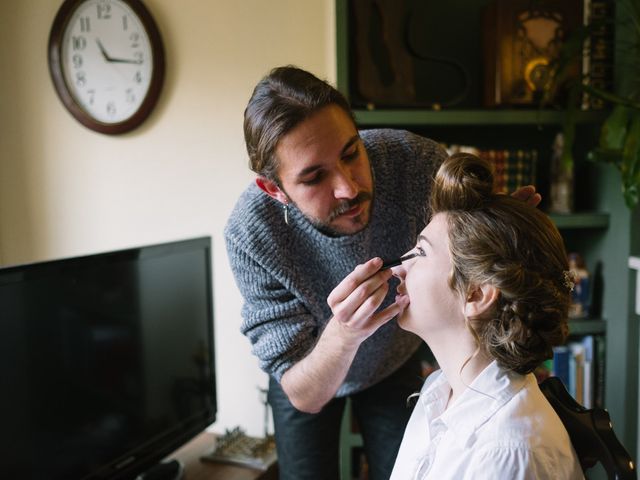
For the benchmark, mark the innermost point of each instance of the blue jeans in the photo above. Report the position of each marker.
(308, 445)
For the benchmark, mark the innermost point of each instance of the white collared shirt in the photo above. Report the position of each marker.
(509, 431)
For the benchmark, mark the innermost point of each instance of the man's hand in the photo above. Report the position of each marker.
(528, 194)
(314, 380)
(357, 297)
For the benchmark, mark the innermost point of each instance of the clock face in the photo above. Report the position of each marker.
(106, 61)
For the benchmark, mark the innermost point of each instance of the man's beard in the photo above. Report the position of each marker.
(343, 207)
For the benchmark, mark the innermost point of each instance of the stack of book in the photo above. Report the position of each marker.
(513, 168)
(580, 366)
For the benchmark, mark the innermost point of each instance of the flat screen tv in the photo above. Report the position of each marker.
(107, 361)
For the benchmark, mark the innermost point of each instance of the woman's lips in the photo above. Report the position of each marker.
(402, 298)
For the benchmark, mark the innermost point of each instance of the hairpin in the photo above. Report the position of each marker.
(569, 280)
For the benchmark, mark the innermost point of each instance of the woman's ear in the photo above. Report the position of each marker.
(272, 189)
(480, 300)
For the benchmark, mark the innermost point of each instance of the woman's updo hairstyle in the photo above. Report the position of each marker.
(500, 240)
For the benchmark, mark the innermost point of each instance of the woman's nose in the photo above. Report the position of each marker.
(399, 271)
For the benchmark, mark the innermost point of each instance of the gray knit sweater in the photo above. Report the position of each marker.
(286, 272)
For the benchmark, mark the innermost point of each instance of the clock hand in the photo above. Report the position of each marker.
(125, 60)
(104, 52)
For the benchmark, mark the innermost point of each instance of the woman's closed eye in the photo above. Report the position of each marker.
(417, 252)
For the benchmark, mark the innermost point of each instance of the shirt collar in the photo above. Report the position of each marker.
(489, 391)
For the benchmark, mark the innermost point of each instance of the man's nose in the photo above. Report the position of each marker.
(344, 185)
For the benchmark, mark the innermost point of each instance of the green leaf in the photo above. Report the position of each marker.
(630, 165)
(630, 160)
(605, 155)
(611, 97)
(614, 129)
(630, 193)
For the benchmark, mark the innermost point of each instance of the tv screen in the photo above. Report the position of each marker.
(107, 361)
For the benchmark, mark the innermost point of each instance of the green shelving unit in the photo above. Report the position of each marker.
(587, 326)
(420, 117)
(603, 230)
(581, 220)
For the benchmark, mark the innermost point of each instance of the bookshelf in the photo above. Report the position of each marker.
(602, 229)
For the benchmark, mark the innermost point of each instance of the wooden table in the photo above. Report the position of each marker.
(196, 469)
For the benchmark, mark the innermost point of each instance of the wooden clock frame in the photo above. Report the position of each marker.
(56, 35)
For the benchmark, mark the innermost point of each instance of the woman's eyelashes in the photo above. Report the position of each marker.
(421, 251)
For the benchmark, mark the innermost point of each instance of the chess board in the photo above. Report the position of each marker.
(237, 448)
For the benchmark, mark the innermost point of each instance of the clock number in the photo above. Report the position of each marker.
(138, 77)
(104, 11)
(92, 95)
(111, 108)
(139, 56)
(135, 38)
(130, 96)
(125, 25)
(85, 24)
(79, 43)
(81, 79)
(77, 60)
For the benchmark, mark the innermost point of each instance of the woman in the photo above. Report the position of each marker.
(489, 292)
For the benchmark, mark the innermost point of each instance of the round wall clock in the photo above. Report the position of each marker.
(107, 62)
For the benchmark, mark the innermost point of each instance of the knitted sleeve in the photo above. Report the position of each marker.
(279, 326)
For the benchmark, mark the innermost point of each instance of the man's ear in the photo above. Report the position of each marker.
(272, 189)
(480, 300)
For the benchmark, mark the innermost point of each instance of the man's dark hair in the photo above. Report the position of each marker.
(281, 100)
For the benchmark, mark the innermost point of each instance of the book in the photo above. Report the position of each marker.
(561, 355)
(513, 168)
(599, 50)
(588, 343)
(576, 371)
(575, 364)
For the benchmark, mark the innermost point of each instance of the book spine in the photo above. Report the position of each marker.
(599, 371)
(598, 60)
(589, 394)
(561, 356)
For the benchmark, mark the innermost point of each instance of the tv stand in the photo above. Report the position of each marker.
(196, 469)
(169, 470)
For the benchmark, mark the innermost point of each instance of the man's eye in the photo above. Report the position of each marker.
(317, 178)
(421, 251)
(349, 157)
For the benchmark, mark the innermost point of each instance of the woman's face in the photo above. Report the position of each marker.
(424, 279)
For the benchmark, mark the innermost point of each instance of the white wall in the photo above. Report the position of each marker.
(66, 191)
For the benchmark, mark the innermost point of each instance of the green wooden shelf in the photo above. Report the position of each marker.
(580, 220)
(422, 117)
(587, 326)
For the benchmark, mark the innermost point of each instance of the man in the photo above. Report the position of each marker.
(327, 204)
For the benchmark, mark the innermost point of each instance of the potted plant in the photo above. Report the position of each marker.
(619, 142)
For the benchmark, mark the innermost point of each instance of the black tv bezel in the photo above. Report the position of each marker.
(153, 451)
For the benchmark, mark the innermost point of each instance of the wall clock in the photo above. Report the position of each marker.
(106, 60)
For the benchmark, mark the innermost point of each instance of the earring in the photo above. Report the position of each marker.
(285, 207)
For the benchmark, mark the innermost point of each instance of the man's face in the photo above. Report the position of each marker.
(324, 170)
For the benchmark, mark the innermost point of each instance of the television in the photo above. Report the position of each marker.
(107, 361)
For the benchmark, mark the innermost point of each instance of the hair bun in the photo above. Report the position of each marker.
(463, 182)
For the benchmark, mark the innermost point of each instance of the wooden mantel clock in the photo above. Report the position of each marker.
(106, 60)
(522, 39)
